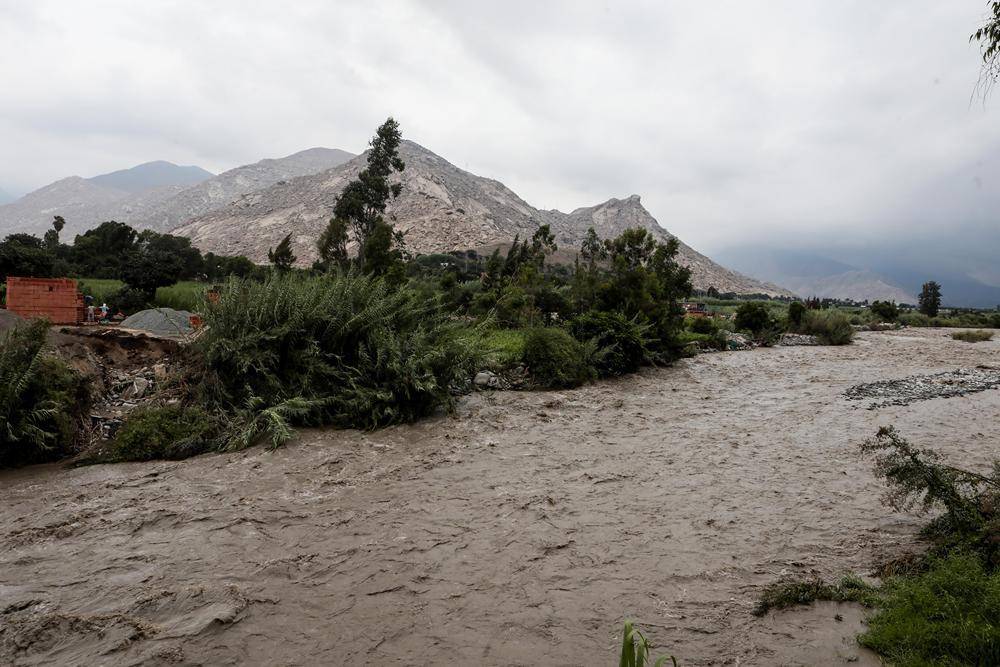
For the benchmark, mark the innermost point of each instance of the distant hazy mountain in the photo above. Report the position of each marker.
(811, 274)
(220, 190)
(151, 175)
(441, 208)
(5, 197)
(155, 195)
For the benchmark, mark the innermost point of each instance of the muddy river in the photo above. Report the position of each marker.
(520, 531)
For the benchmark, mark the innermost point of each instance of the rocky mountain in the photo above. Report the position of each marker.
(150, 176)
(441, 208)
(220, 190)
(155, 195)
(859, 285)
(76, 199)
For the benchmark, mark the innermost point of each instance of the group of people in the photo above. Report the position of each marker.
(100, 313)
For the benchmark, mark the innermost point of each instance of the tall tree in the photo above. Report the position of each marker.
(362, 204)
(52, 236)
(929, 300)
(281, 257)
(332, 244)
(988, 36)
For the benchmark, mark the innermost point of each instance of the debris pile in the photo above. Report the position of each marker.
(735, 341)
(160, 321)
(790, 339)
(127, 389)
(915, 388)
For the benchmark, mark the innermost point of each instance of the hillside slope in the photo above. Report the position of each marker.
(441, 208)
(155, 195)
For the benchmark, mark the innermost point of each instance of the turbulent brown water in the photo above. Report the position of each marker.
(521, 531)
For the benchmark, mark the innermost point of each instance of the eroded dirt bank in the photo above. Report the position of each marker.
(522, 531)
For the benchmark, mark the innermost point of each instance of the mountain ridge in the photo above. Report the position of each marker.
(441, 208)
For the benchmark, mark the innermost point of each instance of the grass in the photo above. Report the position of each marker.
(185, 295)
(791, 592)
(977, 336)
(949, 615)
(636, 649)
(831, 326)
(503, 348)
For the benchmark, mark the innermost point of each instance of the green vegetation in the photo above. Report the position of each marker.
(624, 343)
(988, 36)
(945, 608)
(636, 649)
(41, 399)
(342, 350)
(929, 300)
(978, 336)
(885, 311)
(556, 359)
(163, 432)
(948, 615)
(831, 327)
(753, 317)
(790, 592)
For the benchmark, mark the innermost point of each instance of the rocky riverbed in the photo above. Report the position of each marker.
(520, 531)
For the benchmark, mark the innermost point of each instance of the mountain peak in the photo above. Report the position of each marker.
(151, 175)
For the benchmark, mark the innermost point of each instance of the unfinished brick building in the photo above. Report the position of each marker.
(56, 299)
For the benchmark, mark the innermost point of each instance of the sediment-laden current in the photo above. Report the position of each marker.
(521, 530)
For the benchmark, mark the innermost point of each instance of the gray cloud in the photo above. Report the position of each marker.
(733, 120)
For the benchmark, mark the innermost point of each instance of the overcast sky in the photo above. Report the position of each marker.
(732, 119)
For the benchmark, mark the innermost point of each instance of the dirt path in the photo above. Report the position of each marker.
(521, 531)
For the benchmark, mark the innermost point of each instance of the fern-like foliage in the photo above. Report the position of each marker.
(343, 350)
(37, 397)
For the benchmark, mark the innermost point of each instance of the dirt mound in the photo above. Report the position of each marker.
(160, 321)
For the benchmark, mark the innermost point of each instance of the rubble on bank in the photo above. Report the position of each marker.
(792, 339)
(915, 388)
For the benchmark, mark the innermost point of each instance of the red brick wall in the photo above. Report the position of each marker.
(56, 299)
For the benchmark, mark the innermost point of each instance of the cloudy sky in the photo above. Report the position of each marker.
(732, 119)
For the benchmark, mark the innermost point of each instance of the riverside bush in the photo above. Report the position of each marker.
(41, 398)
(948, 615)
(753, 317)
(342, 350)
(557, 360)
(831, 327)
(978, 336)
(167, 432)
(623, 342)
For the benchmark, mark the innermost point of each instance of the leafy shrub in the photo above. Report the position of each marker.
(831, 327)
(885, 311)
(796, 310)
(41, 398)
(622, 342)
(752, 317)
(342, 350)
(167, 432)
(556, 359)
(702, 325)
(949, 615)
(970, 501)
(978, 336)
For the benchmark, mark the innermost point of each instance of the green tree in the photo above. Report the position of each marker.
(929, 301)
(886, 311)
(988, 37)
(752, 317)
(52, 236)
(103, 252)
(25, 255)
(332, 244)
(281, 257)
(158, 260)
(363, 202)
(795, 312)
